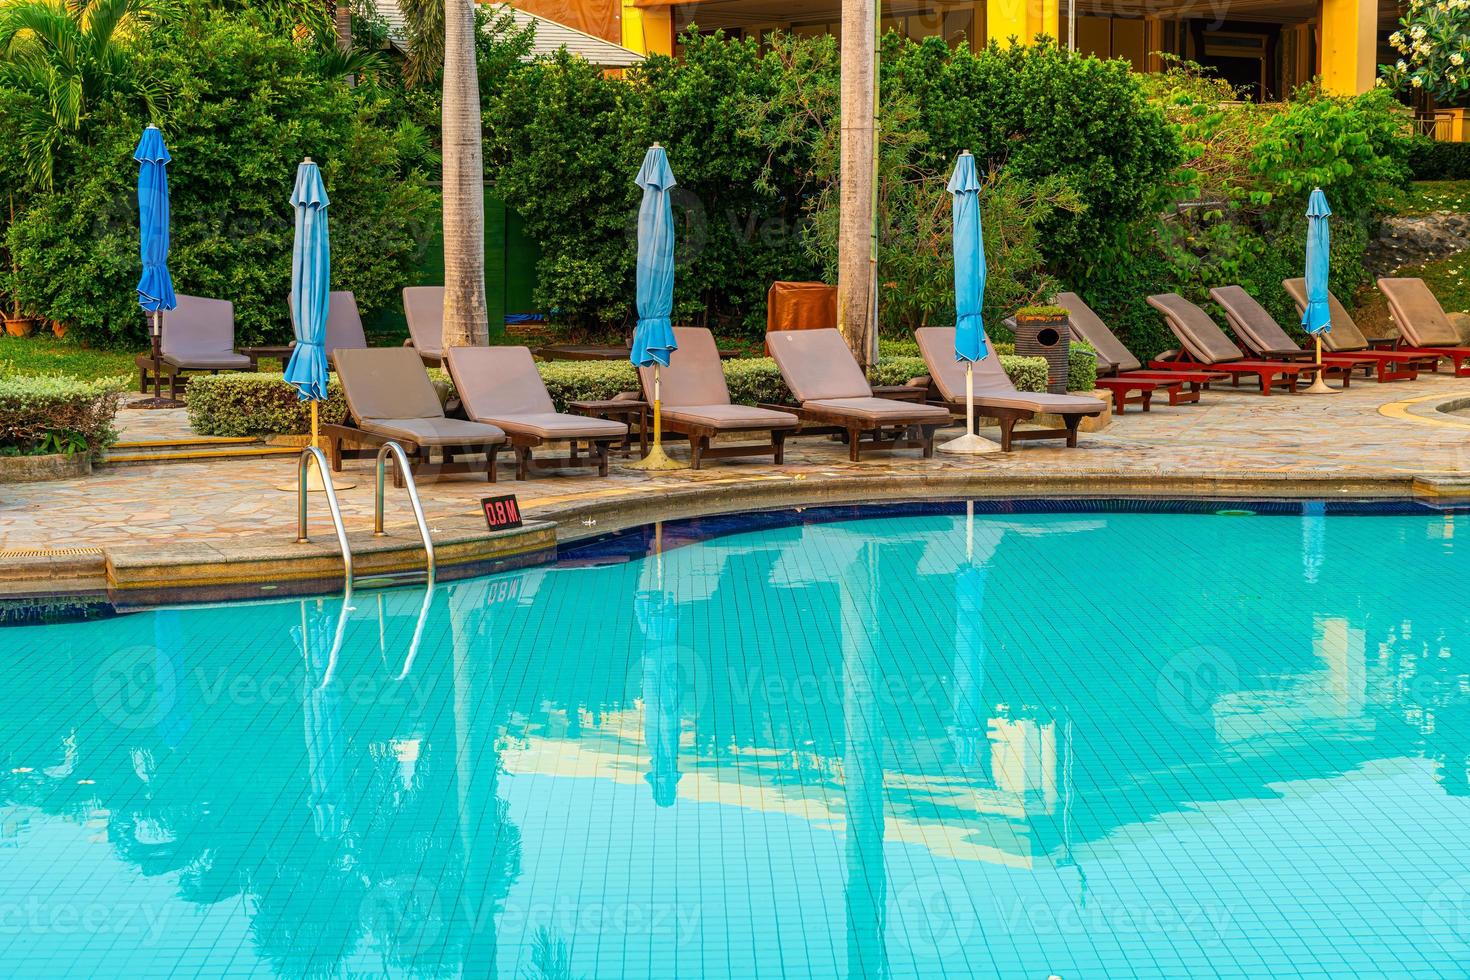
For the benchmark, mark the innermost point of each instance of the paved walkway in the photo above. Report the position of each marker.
(1383, 431)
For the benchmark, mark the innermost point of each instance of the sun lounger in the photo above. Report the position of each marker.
(1115, 360)
(996, 396)
(1423, 322)
(501, 386)
(833, 395)
(1260, 332)
(390, 397)
(1205, 344)
(1402, 364)
(1129, 389)
(198, 335)
(423, 307)
(344, 322)
(696, 403)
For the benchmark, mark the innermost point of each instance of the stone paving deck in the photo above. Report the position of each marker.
(1372, 432)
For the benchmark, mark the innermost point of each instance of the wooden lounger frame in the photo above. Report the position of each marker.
(1008, 417)
(420, 456)
(1266, 372)
(523, 445)
(177, 377)
(819, 421)
(700, 436)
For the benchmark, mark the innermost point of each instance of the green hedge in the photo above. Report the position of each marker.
(1028, 373)
(264, 404)
(1436, 160)
(57, 414)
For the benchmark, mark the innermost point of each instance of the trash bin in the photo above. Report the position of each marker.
(1047, 333)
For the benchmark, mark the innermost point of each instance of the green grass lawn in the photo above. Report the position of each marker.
(1429, 196)
(44, 354)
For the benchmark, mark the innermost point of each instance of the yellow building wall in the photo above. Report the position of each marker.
(648, 30)
(1021, 19)
(1349, 45)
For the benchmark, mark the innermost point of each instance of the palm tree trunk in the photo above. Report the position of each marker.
(855, 246)
(466, 318)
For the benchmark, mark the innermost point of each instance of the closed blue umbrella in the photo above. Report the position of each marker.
(653, 338)
(311, 273)
(1317, 319)
(155, 286)
(969, 294)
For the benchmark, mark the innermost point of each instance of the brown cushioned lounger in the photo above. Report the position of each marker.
(1423, 322)
(423, 307)
(1258, 329)
(996, 395)
(833, 395)
(1115, 360)
(501, 386)
(344, 322)
(1345, 337)
(1127, 389)
(390, 397)
(696, 402)
(1204, 343)
(198, 335)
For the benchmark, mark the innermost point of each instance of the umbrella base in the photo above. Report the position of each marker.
(657, 459)
(314, 483)
(154, 403)
(1321, 387)
(969, 445)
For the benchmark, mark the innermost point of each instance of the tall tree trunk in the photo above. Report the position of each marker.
(466, 319)
(856, 265)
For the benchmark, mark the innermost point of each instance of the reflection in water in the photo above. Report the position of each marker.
(911, 738)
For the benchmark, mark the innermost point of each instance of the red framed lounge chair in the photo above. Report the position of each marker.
(1115, 360)
(1204, 344)
(1260, 332)
(1346, 338)
(1424, 324)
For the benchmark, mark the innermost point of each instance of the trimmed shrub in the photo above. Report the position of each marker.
(57, 414)
(1436, 160)
(264, 404)
(256, 405)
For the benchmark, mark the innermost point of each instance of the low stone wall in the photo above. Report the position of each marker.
(36, 469)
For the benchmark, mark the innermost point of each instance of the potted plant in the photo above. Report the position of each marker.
(1045, 332)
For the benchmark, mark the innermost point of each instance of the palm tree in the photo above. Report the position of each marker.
(67, 57)
(856, 236)
(466, 316)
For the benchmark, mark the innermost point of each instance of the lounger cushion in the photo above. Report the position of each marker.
(344, 321)
(222, 361)
(1344, 337)
(817, 364)
(1199, 334)
(1090, 328)
(694, 375)
(423, 307)
(731, 417)
(1421, 319)
(498, 382)
(199, 329)
(435, 432)
(993, 387)
(387, 383)
(881, 411)
(1252, 323)
(555, 425)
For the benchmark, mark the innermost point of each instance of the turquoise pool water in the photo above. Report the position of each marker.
(1090, 744)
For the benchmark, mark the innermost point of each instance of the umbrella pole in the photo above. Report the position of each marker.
(971, 443)
(657, 459)
(1319, 384)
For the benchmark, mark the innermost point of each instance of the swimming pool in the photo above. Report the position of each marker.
(1108, 741)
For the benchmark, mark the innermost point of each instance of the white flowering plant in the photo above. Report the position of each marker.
(1433, 40)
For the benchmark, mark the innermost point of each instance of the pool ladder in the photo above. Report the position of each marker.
(312, 454)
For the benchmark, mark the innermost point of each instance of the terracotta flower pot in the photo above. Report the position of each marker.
(21, 326)
(58, 328)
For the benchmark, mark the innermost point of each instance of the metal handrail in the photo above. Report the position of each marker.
(303, 468)
(400, 458)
